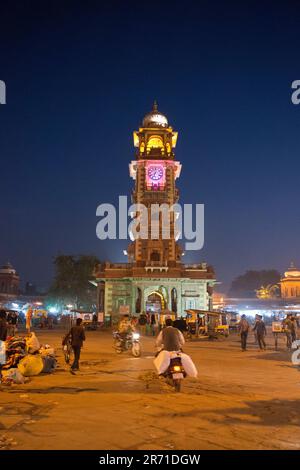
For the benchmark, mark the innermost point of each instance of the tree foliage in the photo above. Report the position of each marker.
(247, 284)
(71, 281)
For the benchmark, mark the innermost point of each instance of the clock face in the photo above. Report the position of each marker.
(155, 173)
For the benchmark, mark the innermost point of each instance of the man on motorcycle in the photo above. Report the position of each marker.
(170, 338)
(125, 327)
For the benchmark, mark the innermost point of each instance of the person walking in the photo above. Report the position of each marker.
(12, 320)
(3, 325)
(288, 328)
(153, 323)
(77, 337)
(294, 328)
(142, 321)
(261, 331)
(29, 314)
(244, 330)
(254, 330)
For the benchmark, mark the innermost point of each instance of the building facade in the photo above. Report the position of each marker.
(290, 283)
(9, 281)
(154, 279)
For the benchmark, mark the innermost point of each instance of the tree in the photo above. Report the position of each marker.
(247, 284)
(268, 292)
(71, 281)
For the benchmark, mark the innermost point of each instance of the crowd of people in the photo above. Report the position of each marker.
(147, 323)
(150, 324)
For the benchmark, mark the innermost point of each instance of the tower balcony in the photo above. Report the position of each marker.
(156, 197)
(156, 266)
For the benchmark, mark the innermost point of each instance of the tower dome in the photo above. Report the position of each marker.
(292, 271)
(7, 268)
(155, 118)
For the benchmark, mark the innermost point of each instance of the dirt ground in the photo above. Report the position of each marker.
(241, 400)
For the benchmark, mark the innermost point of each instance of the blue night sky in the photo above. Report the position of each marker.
(81, 76)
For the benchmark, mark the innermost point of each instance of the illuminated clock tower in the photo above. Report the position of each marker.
(154, 279)
(155, 172)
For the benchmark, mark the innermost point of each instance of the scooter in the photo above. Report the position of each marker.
(130, 342)
(175, 373)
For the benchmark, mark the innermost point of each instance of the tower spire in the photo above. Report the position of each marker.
(155, 107)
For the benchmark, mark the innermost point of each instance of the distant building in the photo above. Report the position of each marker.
(219, 300)
(9, 281)
(290, 283)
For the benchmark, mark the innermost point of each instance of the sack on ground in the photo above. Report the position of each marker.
(13, 376)
(47, 350)
(49, 364)
(31, 365)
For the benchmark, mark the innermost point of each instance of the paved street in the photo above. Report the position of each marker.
(241, 400)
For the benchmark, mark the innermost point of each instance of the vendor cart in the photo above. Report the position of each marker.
(278, 331)
(88, 319)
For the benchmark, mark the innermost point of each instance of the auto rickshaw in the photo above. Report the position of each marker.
(40, 317)
(208, 323)
(192, 323)
(222, 324)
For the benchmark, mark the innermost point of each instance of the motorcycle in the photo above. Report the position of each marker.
(128, 342)
(175, 372)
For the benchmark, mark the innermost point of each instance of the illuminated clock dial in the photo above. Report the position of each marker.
(155, 173)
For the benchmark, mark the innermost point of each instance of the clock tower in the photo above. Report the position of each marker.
(155, 171)
(154, 279)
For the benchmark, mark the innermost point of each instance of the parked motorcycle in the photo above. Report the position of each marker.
(129, 342)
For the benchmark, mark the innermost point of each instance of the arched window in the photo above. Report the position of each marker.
(155, 256)
(155, 142)
(138, 303)
(174, 300)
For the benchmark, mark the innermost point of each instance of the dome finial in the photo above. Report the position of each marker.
(155, 118)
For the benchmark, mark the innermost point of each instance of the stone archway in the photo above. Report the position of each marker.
(158, 298)
(154, 303)
(154, 300)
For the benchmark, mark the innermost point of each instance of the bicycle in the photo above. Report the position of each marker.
(67, 349)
